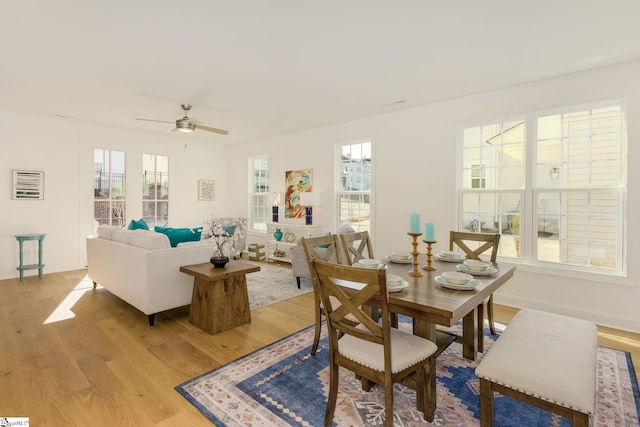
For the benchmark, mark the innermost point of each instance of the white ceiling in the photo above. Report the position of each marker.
(262, 68)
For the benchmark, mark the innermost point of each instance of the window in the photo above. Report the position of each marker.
(553, 186)
(155, 196)
(354, 185)
(109, 204)
(260, 210)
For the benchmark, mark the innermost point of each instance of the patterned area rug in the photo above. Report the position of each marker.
(272, 284)
(282, 385)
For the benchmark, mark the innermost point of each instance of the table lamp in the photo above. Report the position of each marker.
(308, 200)
(273, 199)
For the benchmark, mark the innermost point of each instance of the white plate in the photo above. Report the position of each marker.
(487, 272)
(469, 286)
(448, 258)
(401, 261)
(404, 284)
(377, 267)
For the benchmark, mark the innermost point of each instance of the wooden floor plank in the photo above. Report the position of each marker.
(97, 362)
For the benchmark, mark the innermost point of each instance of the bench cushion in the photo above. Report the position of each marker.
(546, 355)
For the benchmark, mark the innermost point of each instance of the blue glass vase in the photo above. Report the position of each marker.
(277, 234)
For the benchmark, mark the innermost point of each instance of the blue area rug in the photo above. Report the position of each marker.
(282, 385)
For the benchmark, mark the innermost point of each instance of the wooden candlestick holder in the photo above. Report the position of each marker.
(415, 272)
(428, 265)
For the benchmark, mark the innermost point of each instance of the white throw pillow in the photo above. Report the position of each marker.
(148, 239)
(106, 231)
(122, 236)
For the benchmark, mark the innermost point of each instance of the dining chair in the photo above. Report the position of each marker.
(353, 253)
(482, 243)
(325, 248)
(373, 351)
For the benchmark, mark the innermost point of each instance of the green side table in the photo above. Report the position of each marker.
(21, 239)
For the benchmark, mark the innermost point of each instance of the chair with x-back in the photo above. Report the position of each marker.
(474, 245)
(364, 248)
(373, 351)
(327, 249)
(357, 246)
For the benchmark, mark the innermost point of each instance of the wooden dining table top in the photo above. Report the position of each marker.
(428, 300)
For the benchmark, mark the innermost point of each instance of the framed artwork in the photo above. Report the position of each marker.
(28, 185)
(296, 182)
(206, 189)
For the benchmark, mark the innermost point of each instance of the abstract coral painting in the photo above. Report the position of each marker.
(295, 183)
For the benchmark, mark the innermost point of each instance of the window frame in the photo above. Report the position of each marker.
(358, 193)
(157, 199)
(529, 258)
(254, 195)
(112, 201)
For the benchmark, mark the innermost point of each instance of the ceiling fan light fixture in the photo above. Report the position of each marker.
(183, 125)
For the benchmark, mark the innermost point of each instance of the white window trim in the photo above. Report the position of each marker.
(526, 264)
(337, 183)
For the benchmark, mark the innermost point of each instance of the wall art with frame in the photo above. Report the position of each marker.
(295, 183)
(206, 189)
(27, 185)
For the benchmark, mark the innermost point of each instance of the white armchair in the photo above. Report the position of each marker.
(239, 239)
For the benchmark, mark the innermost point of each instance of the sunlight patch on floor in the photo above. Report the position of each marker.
(63, 310)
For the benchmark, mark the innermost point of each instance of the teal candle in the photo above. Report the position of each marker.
(430, 232)
(414, 223)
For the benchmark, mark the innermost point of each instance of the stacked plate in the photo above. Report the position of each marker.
(458, 281)
(395, 283)
(401, 257)
(450, 256)
(478, 268)
(369, 263)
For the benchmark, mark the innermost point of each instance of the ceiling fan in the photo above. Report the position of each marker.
(188, 125)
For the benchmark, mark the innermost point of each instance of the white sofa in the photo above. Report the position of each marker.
(141, 267)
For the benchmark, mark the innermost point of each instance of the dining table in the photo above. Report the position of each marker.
(430, 303)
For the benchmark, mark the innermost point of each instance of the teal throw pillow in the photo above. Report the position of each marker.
(138, 225)
(179, 235)
(328, 233)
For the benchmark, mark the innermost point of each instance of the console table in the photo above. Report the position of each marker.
(26, 237)
(280, 250)
(220, 300)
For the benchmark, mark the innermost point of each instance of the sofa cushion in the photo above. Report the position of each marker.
(122, 236)
(179, 235)
(139, 224)
(105, 231)
(148, 239)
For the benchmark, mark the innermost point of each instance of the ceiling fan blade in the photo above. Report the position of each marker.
(151, 120)
(210, 129)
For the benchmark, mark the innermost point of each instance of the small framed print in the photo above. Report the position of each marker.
(206, 189)
(28, 185)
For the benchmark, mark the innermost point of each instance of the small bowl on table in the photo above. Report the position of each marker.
(369, 262)
(401, 256)
(393, 281)
(475, 265)
(449, 254)
(457, 278)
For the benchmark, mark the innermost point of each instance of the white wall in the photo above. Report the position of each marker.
(415, 171)
(63, 149)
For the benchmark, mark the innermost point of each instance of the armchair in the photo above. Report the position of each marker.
(299, 264)
(239, 239)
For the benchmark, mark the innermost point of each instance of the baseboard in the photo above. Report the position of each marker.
(599, 318)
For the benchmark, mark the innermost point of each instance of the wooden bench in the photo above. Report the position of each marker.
(544, 359)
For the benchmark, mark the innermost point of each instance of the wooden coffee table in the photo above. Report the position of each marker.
(220, 300)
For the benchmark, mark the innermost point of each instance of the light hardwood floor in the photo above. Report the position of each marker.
(75, 356)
